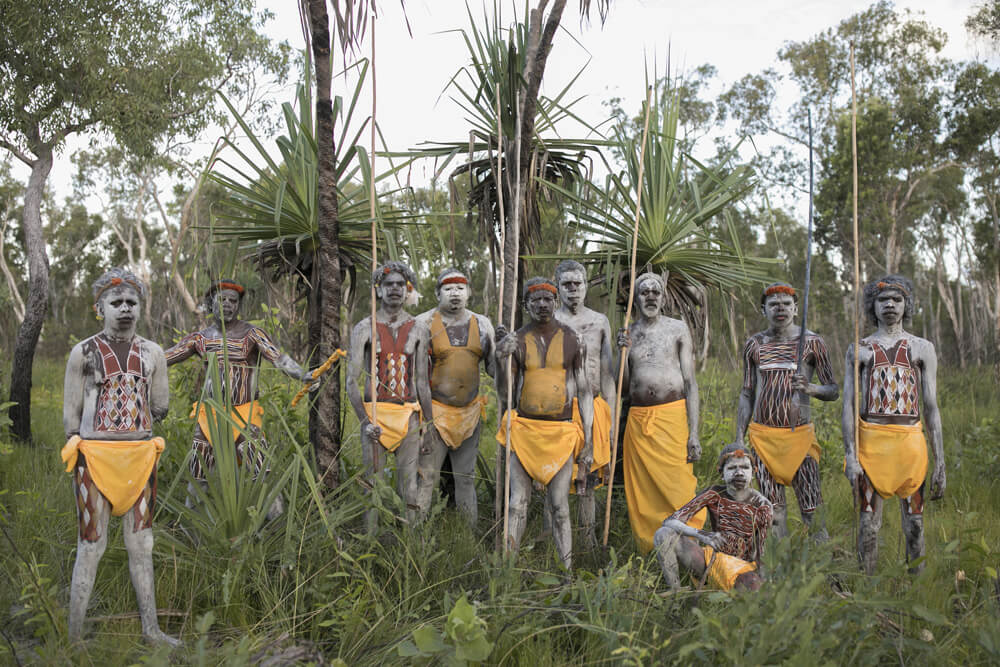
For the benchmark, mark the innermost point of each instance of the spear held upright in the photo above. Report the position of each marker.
(800, 352)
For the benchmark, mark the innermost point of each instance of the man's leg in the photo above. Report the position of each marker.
(809, 494)
(774, 492)
(433, 452)
(673, 549)
(586, 507)
(913, 527)
(463, 470)
(520, 494)
(372, 457)
(138, 532)
(407, 455)
(869, 523)
(557, 501)
(93, 512)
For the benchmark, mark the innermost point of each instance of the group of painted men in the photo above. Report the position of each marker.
(428, 405)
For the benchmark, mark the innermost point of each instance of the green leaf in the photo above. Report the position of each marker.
(429, 640)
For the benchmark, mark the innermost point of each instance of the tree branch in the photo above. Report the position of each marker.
(16, 152)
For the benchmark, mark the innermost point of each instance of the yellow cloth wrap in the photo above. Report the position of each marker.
(658, 478)
(542, 447)
(251, 413)
(119, 468)
(394, 420)
(783, 450)
(602, 436)
(456, 424)
(894, 456)
(726, 568)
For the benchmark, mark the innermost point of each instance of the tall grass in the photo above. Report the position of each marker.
(311, 586)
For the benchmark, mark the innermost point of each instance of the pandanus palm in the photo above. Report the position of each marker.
(273, 208)
(685, 229)
(497, 67)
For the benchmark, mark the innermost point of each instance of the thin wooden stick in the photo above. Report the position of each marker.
(511, 313)
(628, 314)
(373, 370)
(498, 502)
(857, 270)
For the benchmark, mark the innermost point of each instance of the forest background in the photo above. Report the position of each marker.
(146, 194)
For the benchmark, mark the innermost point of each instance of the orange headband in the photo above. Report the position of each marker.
(779, 289)
(543, 286)
(455, 280)
(735, 454)
(895, 286)
(232, 286)
(115, 282)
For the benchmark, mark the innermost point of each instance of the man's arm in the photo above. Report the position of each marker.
(608, 370)
(678, 520)
(73, 392)
(487, 339)
(281, 361)
(827, 389)
(585, 403)
(506, 350)
(852, 468)
(184, 348)
(748, 393)
(685, 351)
(159, 385)
(420, 379)
(360, 337)
(932, 417)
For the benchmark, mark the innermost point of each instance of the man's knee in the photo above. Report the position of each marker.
(663, 535)
(748, 581)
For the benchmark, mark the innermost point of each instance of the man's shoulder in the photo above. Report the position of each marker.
(149, 346)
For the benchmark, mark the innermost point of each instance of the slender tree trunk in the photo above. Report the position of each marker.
(539, 45)
(326, 413)
(38, 295)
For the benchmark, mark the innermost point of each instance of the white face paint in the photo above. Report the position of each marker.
(650, 297)
(890, 306)
(119, 306)
(392, 290)
(780, 309)
(453, 297)
(226, 305)
(572, 289)
(737, 473)
(541, 305)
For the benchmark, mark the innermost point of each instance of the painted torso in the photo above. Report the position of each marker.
(238, 354)
(456, 352)
(116, 391)
(545, 360)
(743, 525)
(768, 366)
(654, 361)
(591, 326)
(394, 363)
(892, 390)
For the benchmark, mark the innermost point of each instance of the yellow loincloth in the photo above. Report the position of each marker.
(542, 447)
(251, 413)
(119, 468)
(894, 456)
(394, 420)
(658, 478)
(457, 424)
(783, 450)
(726, 568)
(602, 437)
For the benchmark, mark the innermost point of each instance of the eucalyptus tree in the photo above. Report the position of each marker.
(130, 69)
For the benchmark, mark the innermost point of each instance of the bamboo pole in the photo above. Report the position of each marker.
(373, 369)
(498, 502)
(628, 314)
(857, 270)
(511, 314)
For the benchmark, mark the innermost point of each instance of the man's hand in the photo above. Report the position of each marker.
(694, 449)
(582, 471)
(500, 333)
(938, 481)
(624, 339)
(710, 539)
(506, 345)
(372, 431)
(801, 383)
(852, 469)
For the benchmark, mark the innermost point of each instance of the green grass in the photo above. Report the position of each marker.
(311, 584)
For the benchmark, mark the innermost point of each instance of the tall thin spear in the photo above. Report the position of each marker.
(857, 269)
(800, 352)
(628, 314)
(498, 503)
(373, 370)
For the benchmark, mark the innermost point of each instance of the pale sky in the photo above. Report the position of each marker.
(737, 37)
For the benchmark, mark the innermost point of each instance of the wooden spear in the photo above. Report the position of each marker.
(373, 369)
(628, 314)
(498, 503)
(511, 313)
(857, 270)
